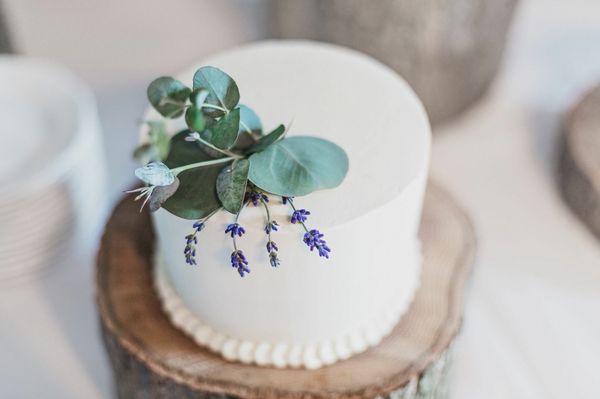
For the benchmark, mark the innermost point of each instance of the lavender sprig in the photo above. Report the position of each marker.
(274, 259)
(238, 259)
(191, 240)
(312, 238)
(256, 197)
(235, 230)
(269, 228)
(299, 216)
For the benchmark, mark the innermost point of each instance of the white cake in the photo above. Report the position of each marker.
(310, 311)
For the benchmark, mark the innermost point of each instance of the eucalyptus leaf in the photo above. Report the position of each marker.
(196, 196)
(159, 137)
(168, 96)
(146, 153)
(160, 194)
(231, 185)
(222, 89)
(224, 132)
(249, 121)
(198, 96)
(195, 119)
(298, 165)
(267, 140)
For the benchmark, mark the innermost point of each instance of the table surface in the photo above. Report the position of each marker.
(532, 318)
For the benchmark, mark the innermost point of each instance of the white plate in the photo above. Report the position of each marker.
(46, 117)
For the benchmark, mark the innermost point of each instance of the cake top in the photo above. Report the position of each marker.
(216, 155)
(339, 95)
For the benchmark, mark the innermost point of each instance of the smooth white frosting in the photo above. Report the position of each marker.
(311, 311)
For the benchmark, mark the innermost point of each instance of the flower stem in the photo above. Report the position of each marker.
(224, 152)
(183, 168)
(237, 216)
(268, 217)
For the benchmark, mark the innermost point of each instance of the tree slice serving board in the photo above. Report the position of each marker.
(151, 358)
(580, 162)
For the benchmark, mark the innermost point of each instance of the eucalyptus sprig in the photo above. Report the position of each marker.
(223, 160)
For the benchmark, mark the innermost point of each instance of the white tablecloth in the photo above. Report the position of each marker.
(532, 323)
(533, 318)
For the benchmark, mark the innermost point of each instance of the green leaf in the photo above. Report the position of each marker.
(267, 140)
(222, 90)
(195, 119)
(224, 132)
(146, 153)
(160, 194)
(231, 185)
(198, 97)
(159, 137)
(196, 196)
(157, 148)
(249, 121)
(168, 96)
(298, 165)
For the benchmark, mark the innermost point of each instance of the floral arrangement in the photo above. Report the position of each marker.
(224, 160)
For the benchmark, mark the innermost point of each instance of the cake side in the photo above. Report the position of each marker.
(310, 311)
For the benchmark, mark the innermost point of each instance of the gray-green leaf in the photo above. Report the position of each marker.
(298, 165)
(225, 131)
(157, 148)
(162, 193)
(196, 196)
(222, 89)
(198, 96)
(146, 153)
(159, 137)
(249, 121)
(195, 119)
(267, 140)
(231, 185)
(168, 96)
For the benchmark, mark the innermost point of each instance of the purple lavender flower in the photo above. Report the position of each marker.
(299, 216)
(256, 197)
(239, 261)
(272, 247)
(235, 229)
(271, 226)
(273, 259)
(190, 244)
(314, 239)
(285, 200)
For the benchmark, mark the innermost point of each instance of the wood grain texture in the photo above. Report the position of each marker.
(448, 51)
(580, 160)
(151, 358)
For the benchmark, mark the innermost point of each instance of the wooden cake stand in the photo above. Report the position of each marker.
(151, 358)
(580, 163)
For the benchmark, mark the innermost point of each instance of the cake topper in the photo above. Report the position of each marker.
(224, 160)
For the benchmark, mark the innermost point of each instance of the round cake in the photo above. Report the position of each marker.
(309, 311)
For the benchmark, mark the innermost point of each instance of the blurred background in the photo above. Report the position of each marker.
(497, 78)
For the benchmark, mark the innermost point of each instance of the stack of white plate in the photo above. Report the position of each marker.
(52, 173)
